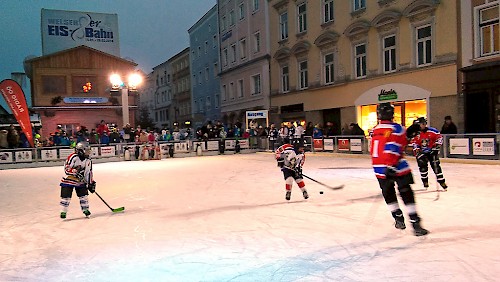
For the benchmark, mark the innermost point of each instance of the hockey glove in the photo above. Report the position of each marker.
(435, 150)
(80, 175)
(281, 162)
(91, 187)
(298, 171)
(390, 172)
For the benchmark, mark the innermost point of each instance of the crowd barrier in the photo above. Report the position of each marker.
(458, 146)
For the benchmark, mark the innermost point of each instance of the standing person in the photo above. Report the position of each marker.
(291, 162)
(448, 126)
(102, 127)
(273, 136)
(283, 134)
(426, 146)
(387, 148)
(78, 169)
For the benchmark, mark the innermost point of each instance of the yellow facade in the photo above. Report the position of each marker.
(433, 76)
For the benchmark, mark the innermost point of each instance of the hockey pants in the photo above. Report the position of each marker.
(433, 160)
(81, 192)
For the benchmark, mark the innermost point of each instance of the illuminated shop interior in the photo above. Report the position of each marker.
(404, 113)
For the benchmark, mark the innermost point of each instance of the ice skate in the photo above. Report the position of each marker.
(444, 186)
(304, 193)
(419, 230)
(63, 215)
(400, 223)
(86, 213)
(288, 195)
(426, 184)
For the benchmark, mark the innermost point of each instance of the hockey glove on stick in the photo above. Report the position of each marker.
(91, 187)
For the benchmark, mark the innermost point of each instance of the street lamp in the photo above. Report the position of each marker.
(134, 80)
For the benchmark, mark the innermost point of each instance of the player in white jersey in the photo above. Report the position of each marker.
(78, 170)
(291, 163)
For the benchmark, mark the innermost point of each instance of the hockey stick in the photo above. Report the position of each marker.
(112, 209)
(338, 187)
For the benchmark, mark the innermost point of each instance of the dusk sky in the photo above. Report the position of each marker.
(151, 31)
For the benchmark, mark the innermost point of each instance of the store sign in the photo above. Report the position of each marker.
(459, 146)
(64, 153)
(387, 95)
(5, 157)
(483, 146)
(24, 156)
(181, 147)
(48, 155)
(356, 145)
(318, 144)
(212, 145)
(108, 151)
(85, 100)
(244, 144)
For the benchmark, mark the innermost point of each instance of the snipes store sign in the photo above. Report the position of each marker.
(67, 29)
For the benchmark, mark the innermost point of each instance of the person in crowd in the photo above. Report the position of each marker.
(291, 161)
(283, 134)
(93, 137)
(387, 150)
(298, 134)
(329, 130)
(448, 126)
(355, 129)
(102, 127)
(317, 132)
(114, 136)
(309, 129)
(246, 134)
(426, 146)
(104, 138)
(272, 135)
(78, 176)
(4, 144)
(64, 140)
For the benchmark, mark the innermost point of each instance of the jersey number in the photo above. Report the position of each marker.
(375, 148)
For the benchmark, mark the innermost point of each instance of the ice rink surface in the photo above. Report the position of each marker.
(225, 218)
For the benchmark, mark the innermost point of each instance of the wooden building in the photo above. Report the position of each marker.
(71, 88)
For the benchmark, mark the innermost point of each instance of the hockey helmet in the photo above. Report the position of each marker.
(385, 111)
(83, 149)
(422, 120)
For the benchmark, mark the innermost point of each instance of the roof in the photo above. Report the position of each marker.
(81, 47)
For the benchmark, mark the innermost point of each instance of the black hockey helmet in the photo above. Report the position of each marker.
(385, 111)
(422, 120)
(83, 149)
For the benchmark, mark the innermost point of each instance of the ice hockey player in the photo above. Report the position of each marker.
(290, 161)
(78, 169)
(426, 146)
(387, 149)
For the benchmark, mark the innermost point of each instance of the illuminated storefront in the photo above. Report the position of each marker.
(410, 102)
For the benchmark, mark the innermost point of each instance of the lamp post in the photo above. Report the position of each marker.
(117, 83)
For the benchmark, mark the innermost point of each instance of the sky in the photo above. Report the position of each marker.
(225, 218)
(151, 31)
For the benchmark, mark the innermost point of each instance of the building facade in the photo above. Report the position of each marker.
(71, 88)
(162, 79)
(146, 101)
(205, 82)
(334, 61)
(181, 88)
(479, 97)
(244, 57)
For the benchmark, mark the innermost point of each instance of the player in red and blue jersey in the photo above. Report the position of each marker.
(387, 150)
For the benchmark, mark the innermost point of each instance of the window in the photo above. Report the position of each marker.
(54, 84)
(328, 11)
(389, 53)
(223, 23)
(329, 69)
(199, 54)
(209, 103)
(196, 109)
(231, 91)
(256, 84)
(241, 9)
(216, 101)
(301, 18)
(207, 73)
(216, 69)
(206, 47)
(359, 4)
(214, 41)
(303, 82)
(240, 89)
(487, 17)
(285, 79)
(360, 60)
(243, 48)
(200, 78)
(232, 18)
(424, 45)
(233, 53)
(224, 92)
(256, 40)
(284, 26)
(224, 57)
(255, 5)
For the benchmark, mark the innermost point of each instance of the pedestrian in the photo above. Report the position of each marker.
(387, 150)
(273, 136)
(79, 176)
(291, 161)
(448, 126)
(426, 146)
